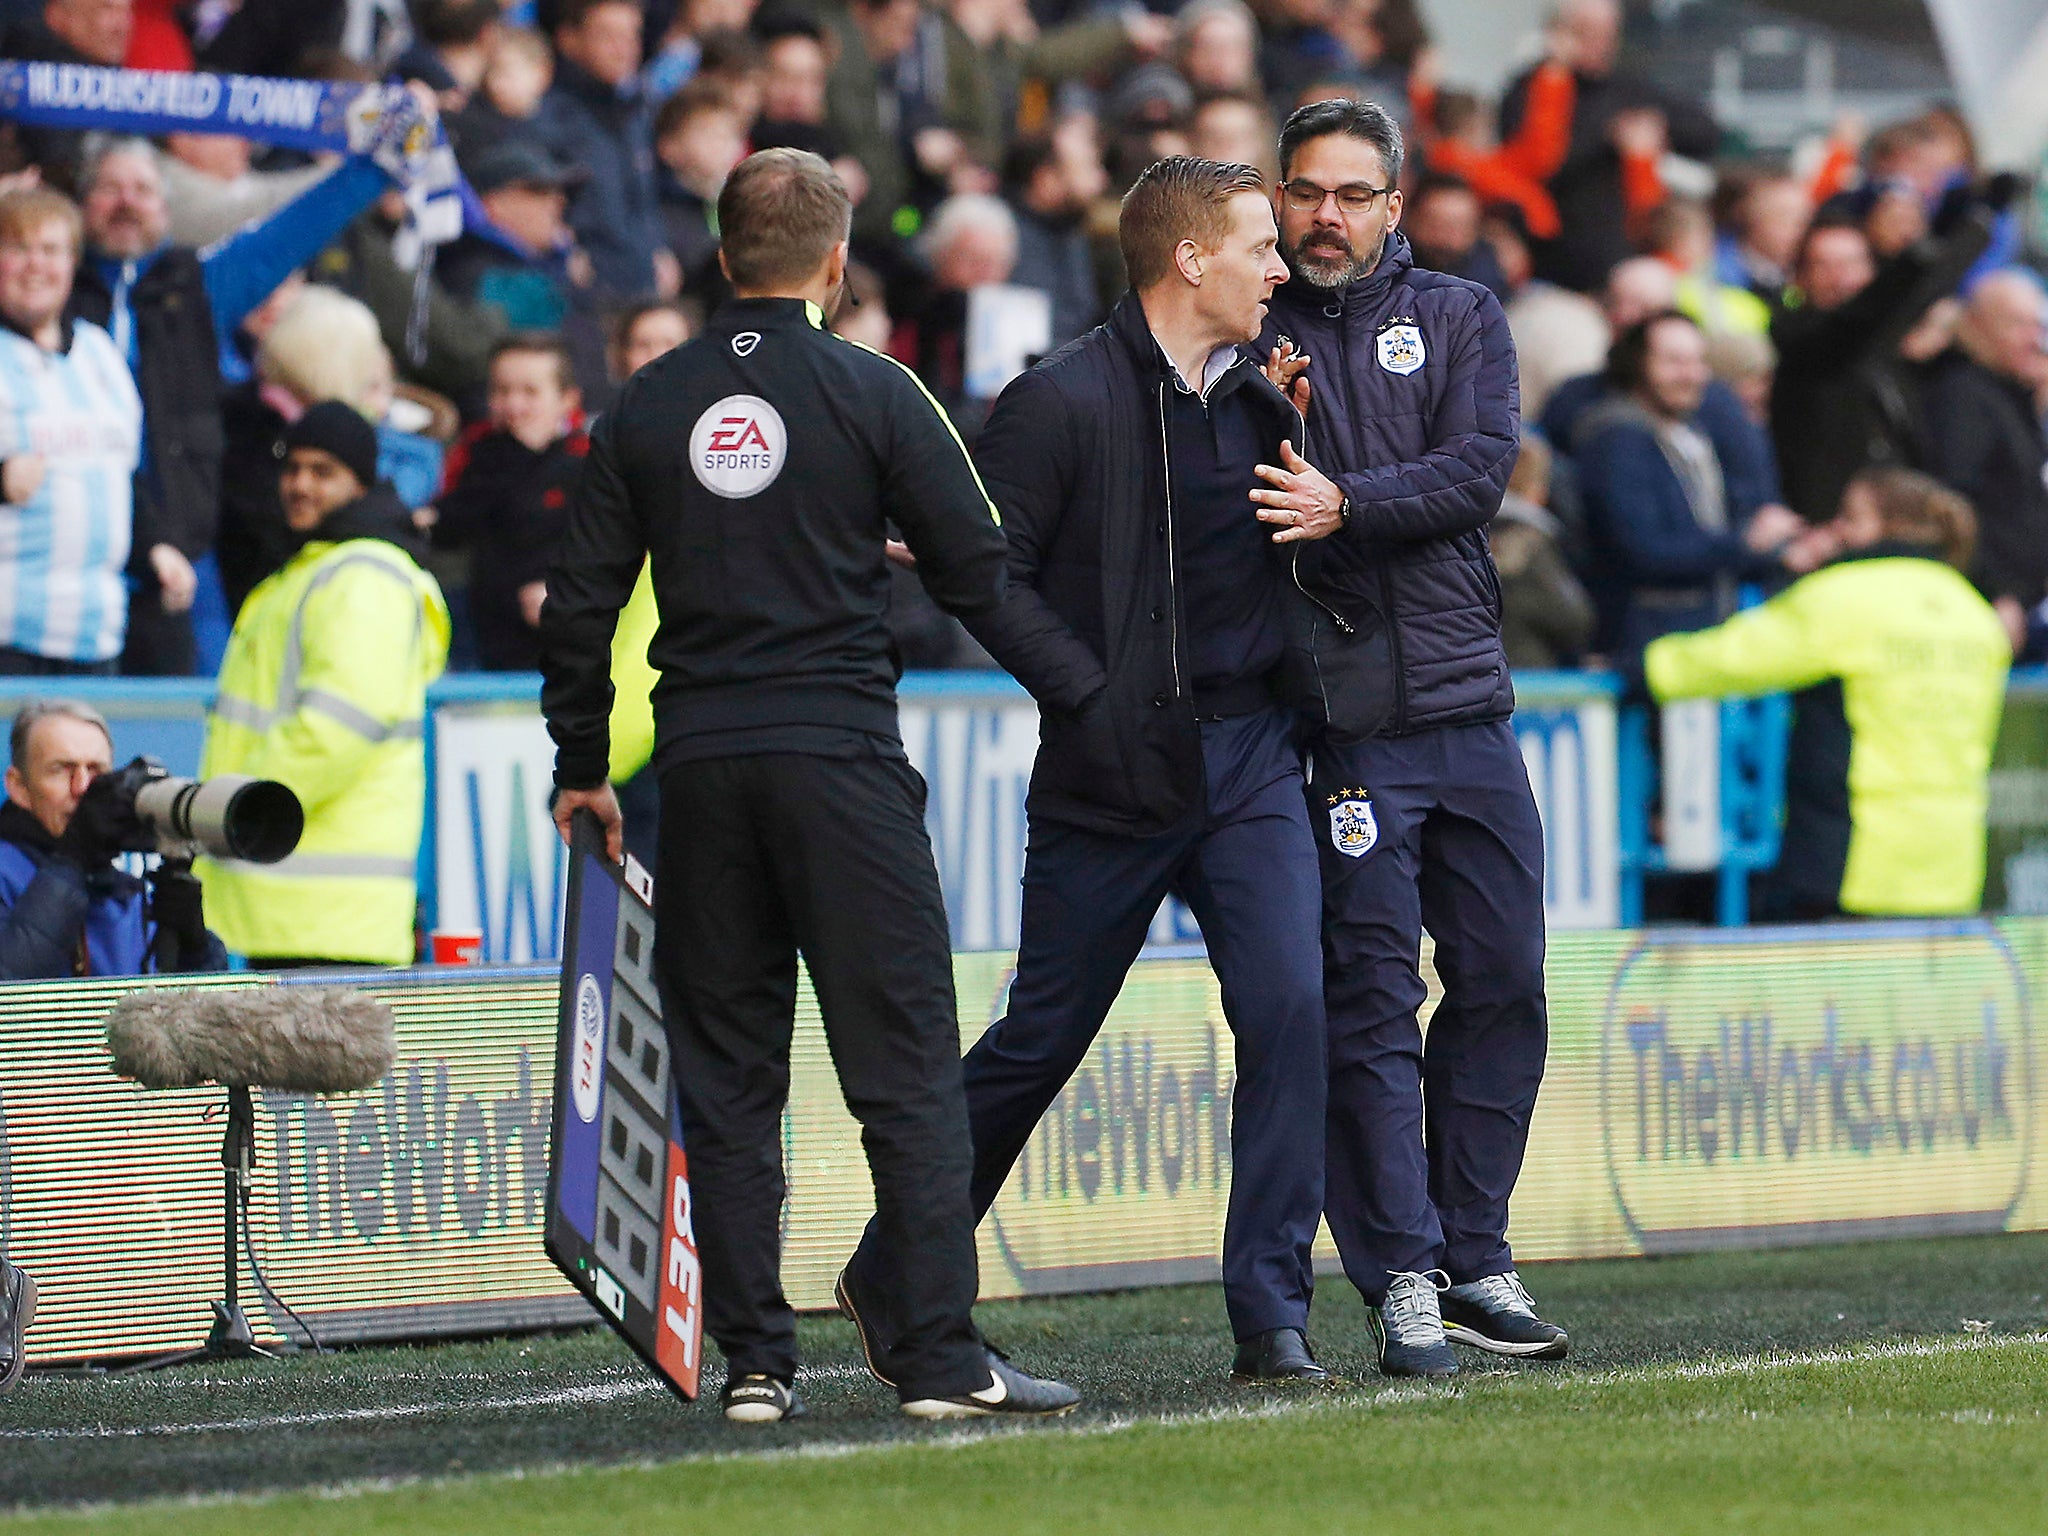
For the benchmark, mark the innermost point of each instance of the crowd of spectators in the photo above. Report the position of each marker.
(1712, 346)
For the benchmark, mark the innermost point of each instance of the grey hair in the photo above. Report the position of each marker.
(1196, 12)
(1357, 119)
(102, 147)
(964, 211)
(35, 712)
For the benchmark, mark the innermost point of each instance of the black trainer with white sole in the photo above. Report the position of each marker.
(760, 1400)
(1010, 1393)
(1498, 1315)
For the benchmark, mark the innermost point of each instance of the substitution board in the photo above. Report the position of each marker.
(618, 1217)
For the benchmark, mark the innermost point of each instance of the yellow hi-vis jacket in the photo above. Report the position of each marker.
(324, 689)
(1922, 662)
(633, 680)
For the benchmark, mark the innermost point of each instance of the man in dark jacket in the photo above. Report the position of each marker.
(522, 261)
(597, 120)
(1984, 438)
(171, 310)
(65, 909)
(1052, 181)
(66, 32)
(1669, 534)
(1841, 401)
(1411, 400)
(866, 106)
(1147, 614)
(1612, 108)
(757, 466)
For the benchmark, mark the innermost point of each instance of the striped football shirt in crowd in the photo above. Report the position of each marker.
(62, 555)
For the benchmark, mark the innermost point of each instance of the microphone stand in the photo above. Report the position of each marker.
(230, 1338)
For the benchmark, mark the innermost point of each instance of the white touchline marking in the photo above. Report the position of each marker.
(603, 1392)
(1383, 1397)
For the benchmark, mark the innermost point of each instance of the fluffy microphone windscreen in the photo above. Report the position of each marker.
(297, 1039)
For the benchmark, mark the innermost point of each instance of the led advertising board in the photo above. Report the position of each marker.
(1726, 1088)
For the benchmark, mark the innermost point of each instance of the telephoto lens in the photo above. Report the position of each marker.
(229, 816)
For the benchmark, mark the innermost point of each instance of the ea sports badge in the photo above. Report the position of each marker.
(738, 446)
(1400, 348)
(1354, 830)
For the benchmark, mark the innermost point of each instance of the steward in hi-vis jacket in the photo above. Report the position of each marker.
(324, 689)
(1899, 666)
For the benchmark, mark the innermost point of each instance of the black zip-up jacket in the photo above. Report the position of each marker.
(1841, 400)
(177, 501)
(772, 586)
(508, 503)
(1422, 445)
(1982, 436)
(1095, 622)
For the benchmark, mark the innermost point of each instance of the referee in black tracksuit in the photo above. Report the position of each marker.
(759, 465)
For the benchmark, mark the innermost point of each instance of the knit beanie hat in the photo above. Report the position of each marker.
(339, 429)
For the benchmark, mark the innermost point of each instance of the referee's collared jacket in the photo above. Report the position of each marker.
(759, 466)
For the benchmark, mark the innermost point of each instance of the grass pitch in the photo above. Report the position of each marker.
(1888, 1387)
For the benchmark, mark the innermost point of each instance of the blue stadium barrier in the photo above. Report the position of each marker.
(488, 852)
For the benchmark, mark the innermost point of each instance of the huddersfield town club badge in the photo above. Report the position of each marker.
(1400, 347)
(1353, 828)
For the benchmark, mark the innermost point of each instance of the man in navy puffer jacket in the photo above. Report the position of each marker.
(1422, 808)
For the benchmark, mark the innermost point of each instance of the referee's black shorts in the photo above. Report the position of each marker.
(762, 857)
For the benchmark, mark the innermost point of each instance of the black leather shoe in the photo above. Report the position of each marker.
(860, 1311)
(1279, 1354)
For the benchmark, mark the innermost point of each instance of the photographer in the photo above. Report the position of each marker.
(65, 910)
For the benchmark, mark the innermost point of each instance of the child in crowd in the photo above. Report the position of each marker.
(644, 332)
(517, 75)
(507, 494)
(699, 136)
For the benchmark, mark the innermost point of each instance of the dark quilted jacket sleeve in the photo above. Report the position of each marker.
(1458, 484)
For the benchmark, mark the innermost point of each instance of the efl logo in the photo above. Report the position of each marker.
(678, 1344)
(738, 446)
(589, 1047)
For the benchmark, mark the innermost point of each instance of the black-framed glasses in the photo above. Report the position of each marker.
(1353, 197)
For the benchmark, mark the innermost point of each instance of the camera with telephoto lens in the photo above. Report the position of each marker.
(229, 816)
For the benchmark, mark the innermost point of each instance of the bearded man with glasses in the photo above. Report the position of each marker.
(1422, 805)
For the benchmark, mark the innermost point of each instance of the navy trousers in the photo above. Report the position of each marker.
(1426, 1139)
(1245, 865)
(1246, 870)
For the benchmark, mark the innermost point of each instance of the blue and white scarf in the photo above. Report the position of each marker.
(383, 122)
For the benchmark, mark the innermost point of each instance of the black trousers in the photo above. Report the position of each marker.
(159, 644)
(764, 857)
(15, 663)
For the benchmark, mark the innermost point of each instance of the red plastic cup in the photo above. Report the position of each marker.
(457, 946)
